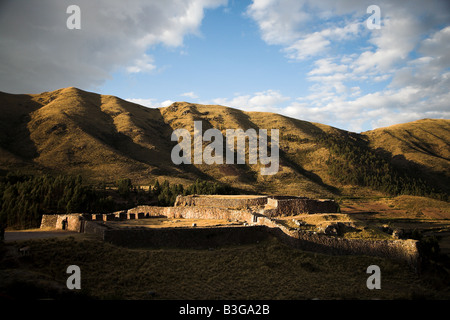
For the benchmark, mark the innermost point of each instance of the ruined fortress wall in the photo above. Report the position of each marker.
(400, 250)
(49, 221)
(73, 221)
(276, 206)
(207, 213)
(292, 207)
(140, 212)
(55, 221)
(93, 227)
(194, 238)
(231, 202)
(149, 211)
(193, 212)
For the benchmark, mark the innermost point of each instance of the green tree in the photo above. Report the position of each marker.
(124, 187)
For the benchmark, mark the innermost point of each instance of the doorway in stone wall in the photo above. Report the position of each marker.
(64, 224)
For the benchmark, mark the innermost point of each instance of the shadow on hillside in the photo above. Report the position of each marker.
(153, 130)
(308, 174)
(107, 132)
(245, 123)
(412, 177)
(313, 130)
(14, 120)
(440, 181)
(418, 144)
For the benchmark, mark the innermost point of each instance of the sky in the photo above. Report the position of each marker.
(332, 62)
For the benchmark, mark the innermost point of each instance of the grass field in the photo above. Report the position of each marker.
(428, 216)
(266, 270)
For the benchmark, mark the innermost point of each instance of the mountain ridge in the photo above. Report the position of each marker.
(104, 138)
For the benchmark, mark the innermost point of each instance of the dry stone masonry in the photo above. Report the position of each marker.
(256, 213)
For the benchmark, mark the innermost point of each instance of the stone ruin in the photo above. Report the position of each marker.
(260, 212)
(273, 206)
(236, 207)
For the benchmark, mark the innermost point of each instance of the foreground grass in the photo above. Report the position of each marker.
(267, 270)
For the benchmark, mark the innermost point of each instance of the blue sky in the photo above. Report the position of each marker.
(227, 57)
(312, 60)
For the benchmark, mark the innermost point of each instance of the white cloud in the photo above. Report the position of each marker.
(150, 103)
(317, 43)
(308, 46)
(191, 95)
(268, 101)
(438, 47)
(393, 43)
(165, 103)
(279, 21)
(38, 53)
(326, 66)
(143, 64)
(304, 111)
(364, 78)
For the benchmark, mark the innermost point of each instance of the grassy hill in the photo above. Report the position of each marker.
(423, 146)
(104, 138)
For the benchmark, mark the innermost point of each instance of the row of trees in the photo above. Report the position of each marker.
(353, 162)
(24, 198)
(167, 194)
(164, 194)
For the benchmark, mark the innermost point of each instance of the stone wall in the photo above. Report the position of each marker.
(141, 212)
(261, 227)
(71, 222)
(192, 213)
(207, 213)
(295, 206)
(49, 221)
(231, 202)
(273, 205)
(400, 250)
(92, 227)
(149, 211)
(193, 238)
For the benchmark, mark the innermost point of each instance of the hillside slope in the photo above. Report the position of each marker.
(423, 145)
(105, 138)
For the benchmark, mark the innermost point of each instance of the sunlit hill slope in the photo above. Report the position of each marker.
(105, 138)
